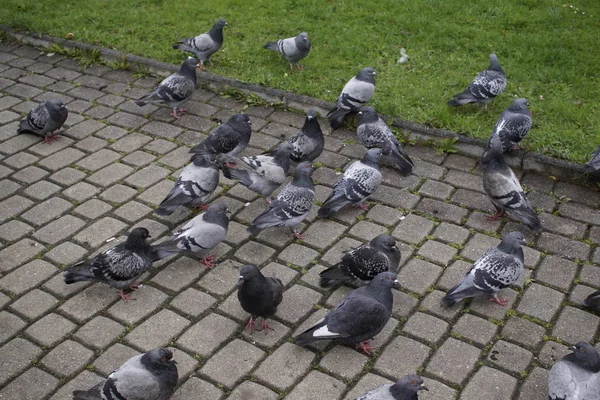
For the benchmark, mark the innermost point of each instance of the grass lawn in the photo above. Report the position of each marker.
(549, 50)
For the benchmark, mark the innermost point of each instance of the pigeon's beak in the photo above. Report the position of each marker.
(360, 113)
(423, 388)
(573, 348)
(249, 122)
(227, 211)
(396, 282)
(395, 248)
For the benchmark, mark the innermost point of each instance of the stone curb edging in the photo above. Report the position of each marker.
(525, 160)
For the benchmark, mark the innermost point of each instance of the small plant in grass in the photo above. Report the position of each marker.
(446, 145)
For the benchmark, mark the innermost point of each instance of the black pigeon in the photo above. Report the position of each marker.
(258, 295)
(372, 132)
(513, 125)
(230, 138)
(504, 189)
(497, 269)
(593, 300)
(360, 316)
(198, 237)
(292, 204)
(357, 92)
(149, 376)
(309, 141)
(359, 182)
(175, 89)
(594, 164)
(576, 376)
(293, 49)
(205, 44)
(364, 262)
(407, 388)
(263, 173)
(194, 186)
(44, 119)
(485, 87)
(118, 266)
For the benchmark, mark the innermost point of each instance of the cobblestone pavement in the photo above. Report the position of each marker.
(61, 203)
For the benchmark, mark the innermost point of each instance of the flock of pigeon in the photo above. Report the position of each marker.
(364, 312)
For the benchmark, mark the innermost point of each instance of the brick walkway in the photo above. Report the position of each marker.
(61, 203)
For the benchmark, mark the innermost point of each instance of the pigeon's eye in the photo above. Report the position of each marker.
(413, 382)
(387, 277)
(163, 359)
(581, 349)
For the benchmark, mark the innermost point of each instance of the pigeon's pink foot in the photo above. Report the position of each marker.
(250, 325)
(495, 216)
(498, 300)
(299, 235)
(268, 200)
(54, 136)
(208, 260)
(50, 139)
(202, 207)
(516, 147)
(265, 327)
(362, 206)
(174, 114)
(134, 286)
(299, 67)
(229, 164)
(366, 348)
(125, 296)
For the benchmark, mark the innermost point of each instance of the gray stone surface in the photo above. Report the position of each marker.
(63, 202)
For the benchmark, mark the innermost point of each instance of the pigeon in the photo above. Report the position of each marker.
(263, 173)
(364, 262)
(230, 138)
(205, 44)
(497, 269)
(485, 87)
(292, 204)
(198, 237)
(407, 388)
(44, 119)
(194, 186)
(359, 182)
(258, 295)
(309, 141)
(502, 186)
(372, 132)
(576, 376)
(361, 315)
(293, 49)
(149, 376)
(357, 92)
(594, 164)
(175, 89)
(118, 266)
(593, 300)
(513, 125)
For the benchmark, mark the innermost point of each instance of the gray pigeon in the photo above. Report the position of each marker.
(44, 119)
(576, 376)
(175, 89)
(359, 182)
(198, 237)
(258, 295)
(194, 186)
(293, 49)
(503, 187)
(407, 388)
(513, 125)
(263, 173)
(118, 266)
(309, 141)
(357, 92)
(364, 262)
(594, 164)
(485, 87)
(149, 376)
(230, 138)
(372, 132)
(360, 316)
(593, 300)
(205, 44)
(292, 204)
(497, 269)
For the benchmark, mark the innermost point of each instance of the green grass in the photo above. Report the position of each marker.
(548, 51)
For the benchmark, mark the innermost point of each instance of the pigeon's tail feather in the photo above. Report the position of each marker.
(254, 229)
(174, 200)
(529, 218)
(336, 117)
(332, 205)
(462, 98)
(463, 290)
(308, 337)
(593, 300)
(164, 250)
(332, 276)
(271, 46)
(24, 127)
(237, 174)
(400, 160)
(78, 273)
(140, 103)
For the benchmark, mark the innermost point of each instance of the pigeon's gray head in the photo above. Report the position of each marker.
(55, 103)
(158, 359)
(248, 272)
(372, 156)
(305, 167)
(366, 74)
(218, 208)
(368, 114)
(385, 242)
(204, 160)
(221, 23)
(494, 64)
(241, 118)
(190, 64)
(519, 105)
(514, 240)
(385, 280)
(406, 386)
(303, 37)
(311, 113)
(141, 233)
(587, 356)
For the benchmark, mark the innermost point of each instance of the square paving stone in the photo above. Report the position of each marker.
(67, 176)
(590, 274)
(402, 356)
(118, 193)
(453, 361)
(147, 176)
(67, 358)
(98, 160)
(13, 230)
(197, 388)
(413, 229)
(323, 233)
(50, 330)
(178, 274)
(18, 253)
(99, 332)
(34, 304)
(551, 352)
(157, 331)
(475, 329)
(574, 325)
(451, 233)
(232, 362)
(13, 206)
(42, 190)
(46, 211)
(8, 187)
(435, 189)
(395, 197)
(557, 272)
(490, 384)
(478, 245)
(93, 209)
(96, 234)
(132, 211)
(297, 302)
(425, 327)
(11, 324)
(16, 356)
(510, 356)
(22, 389)
(130, 143)
(443, 211)
(298, 255)
(562, 246)
(148, 300)
(113, 358)
(110, 174)
(483, 306)
(541, 302)
(85, 379)
(344, 362)
(317, 385)
(19, 160)
(61, 159)
(535, 386)
(437, 252)
(207, 335)
(285, 366)
(252, 390)
(89, 302)
(223, 279)
(27, 277)
(60, 229)
(418, 275)
(138, 158)
(254, 253)
(29, 175)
